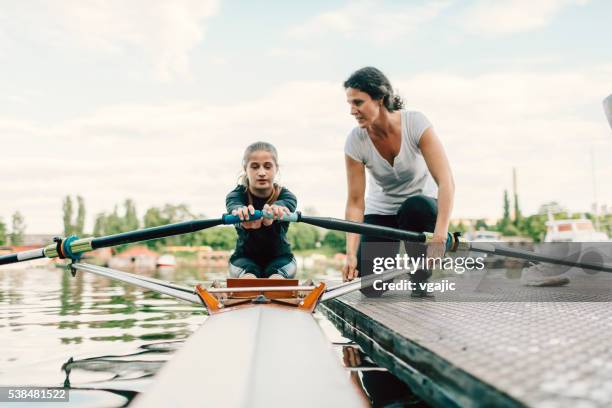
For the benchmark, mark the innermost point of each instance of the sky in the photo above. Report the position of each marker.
(157, 100)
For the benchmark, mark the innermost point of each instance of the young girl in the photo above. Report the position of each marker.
(262, 249)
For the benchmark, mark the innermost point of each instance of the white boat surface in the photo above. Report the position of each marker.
(260, 356)
(578, 230)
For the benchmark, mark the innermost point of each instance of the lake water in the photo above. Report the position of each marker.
(106, 340)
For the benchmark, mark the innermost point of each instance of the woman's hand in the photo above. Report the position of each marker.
(439, 167)
(436, 248)
(349, 269)
(278, 211)
(244, 214)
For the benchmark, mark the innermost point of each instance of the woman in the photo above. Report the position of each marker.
(411, 185)
(262, 248)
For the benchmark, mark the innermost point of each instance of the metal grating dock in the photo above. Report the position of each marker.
(492, 342)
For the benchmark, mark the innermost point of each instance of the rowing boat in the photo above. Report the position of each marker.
(260, 347)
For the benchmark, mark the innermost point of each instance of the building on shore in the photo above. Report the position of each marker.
(136, 257)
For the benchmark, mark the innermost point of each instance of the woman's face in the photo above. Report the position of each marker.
(261, 170)
(363, 107)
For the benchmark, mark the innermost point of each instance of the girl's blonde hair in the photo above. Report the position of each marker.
(244, 180)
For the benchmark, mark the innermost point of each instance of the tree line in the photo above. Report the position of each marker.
(533, 226)
(124, 218)
(16, 235)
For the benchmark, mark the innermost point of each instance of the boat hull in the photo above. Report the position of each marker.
(256, 356)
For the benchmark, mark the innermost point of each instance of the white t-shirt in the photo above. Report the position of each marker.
(388, 186)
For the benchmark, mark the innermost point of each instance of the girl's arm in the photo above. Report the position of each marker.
(235, 205)
(286, 199)
(285, 203)
(234, 199)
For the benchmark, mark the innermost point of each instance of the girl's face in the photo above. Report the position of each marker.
(363, 107)
(261, 170)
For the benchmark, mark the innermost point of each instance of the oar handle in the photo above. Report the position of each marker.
(234, 219)
(453, 240)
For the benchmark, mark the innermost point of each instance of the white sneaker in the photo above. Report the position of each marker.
(542, 274)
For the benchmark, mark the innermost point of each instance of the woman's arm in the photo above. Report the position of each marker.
(355, 206)
(439, 167)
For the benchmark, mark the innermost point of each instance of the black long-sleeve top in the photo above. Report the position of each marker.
(266, 243)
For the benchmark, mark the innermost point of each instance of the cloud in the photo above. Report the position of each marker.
(293, 53)
(370, 20)
(163, 32)
(544, 124)
(176, 152)
(501, 17)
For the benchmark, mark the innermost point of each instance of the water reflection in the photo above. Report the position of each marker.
(381, 388)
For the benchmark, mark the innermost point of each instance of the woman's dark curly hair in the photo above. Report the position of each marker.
(373, 82)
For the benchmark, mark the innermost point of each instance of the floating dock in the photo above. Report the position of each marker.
(492, 341)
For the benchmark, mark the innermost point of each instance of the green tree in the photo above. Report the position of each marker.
(517, 212)
(302, 236)
(534, 226)
(335, 240)
(18, 229)
(114, 223)
(167, 215)
(217, 238)
(460, 227)
(504, 223)
(506, 217)
(481, 223)
(67, 210)
(107, 224)
(2, 232)
(99, 225)
(73, 225)
(130, 217)
(153, 218)
(80, 218)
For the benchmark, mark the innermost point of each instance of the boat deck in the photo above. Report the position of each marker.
(259, 356)
(492, 342)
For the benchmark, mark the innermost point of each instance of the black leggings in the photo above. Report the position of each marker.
(284, 265)
(417, 213)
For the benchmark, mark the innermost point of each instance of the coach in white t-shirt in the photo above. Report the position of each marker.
(410, 184)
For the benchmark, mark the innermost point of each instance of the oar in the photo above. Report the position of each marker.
(156, 285)
(72, 246)
(453, 243)
(348, 226)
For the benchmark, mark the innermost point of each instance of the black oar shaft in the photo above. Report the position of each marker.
(77, 246)
(22, 256)
(365, 229)
(494, 249)
(9, 259)
(393, 233)
(154, 233)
